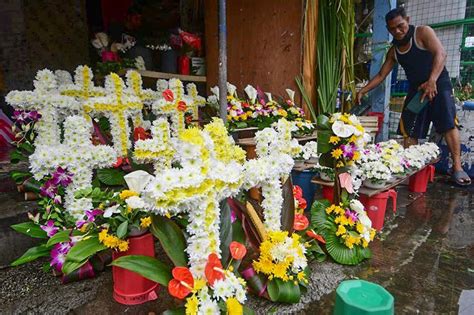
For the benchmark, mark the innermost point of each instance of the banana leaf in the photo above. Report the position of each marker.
(148, 267)
(284, 292)
(171, 239)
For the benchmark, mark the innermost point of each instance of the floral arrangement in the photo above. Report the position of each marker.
(340, 140)
(259, 109)
(376, 171)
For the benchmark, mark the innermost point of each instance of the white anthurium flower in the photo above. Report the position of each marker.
(269, 95)
(135, 202)
(111, 210)
(215, 90)
(251, 93)
(291, 94)
(342, 130)
(357, 206)
(231, 89)
(137, 180)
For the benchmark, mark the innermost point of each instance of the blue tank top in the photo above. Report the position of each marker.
(417, 63)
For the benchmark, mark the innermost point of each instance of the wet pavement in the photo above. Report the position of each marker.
(424, 257)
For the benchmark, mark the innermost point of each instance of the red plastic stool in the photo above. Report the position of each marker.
(376, 206)
(129, 287)
(419, 181)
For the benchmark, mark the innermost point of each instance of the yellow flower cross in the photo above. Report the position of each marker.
(83, 87)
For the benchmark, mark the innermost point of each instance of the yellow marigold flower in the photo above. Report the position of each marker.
(334, 139)
(356, 156)
(341, 230)
(145, 222)
(372, 234)
(123, 246)
(301, 276)
(353, 138)
(102, 235)
(364, 243)
(336, 153)
(192, 304)
(359, 227)
(199, 284)
(124, 194)
(340, 164)
(234, 307)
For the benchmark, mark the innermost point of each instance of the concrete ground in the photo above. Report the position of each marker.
(424, 257)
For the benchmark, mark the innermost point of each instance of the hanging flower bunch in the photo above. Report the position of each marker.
(340, 140)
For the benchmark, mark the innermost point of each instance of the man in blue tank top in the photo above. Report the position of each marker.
(422, 56)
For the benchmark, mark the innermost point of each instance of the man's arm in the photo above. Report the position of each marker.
(427, 37)
(379, 77)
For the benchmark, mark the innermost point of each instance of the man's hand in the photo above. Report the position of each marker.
(359, 96)
(429, 90)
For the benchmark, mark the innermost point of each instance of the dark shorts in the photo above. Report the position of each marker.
(441, 111)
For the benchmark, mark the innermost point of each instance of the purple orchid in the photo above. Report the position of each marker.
(352, 215)
(90, 217)
(58, 255)
(20, 116)
(62, 177)
(34, 115)
(49, 189)
(49, 228)
(57, 200)
(348, 150)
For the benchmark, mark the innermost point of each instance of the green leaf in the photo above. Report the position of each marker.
(19, 177)
(84, 249)
(111, 176)
(175, 311)
(32, 185)
(241, 124)
(318, 215)
(16, 156)
(171, 239)
(148, 267)
(31, 229)
(238, 233)
(122, 229)
(323, 141)
(27, 147)
(323, 121)
(284, 292)
(225, 230)
(61, 236)
(70, 266)
(342, 254)
(288, 206)
(248, 311)
(32, 254)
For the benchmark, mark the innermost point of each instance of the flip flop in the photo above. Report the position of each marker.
(461, 178)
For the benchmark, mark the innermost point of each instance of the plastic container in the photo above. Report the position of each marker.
(303, 179)
(377, 205)
(419, 181)
(129, 287)
(328, 193)
(359, 297)
(184, 65)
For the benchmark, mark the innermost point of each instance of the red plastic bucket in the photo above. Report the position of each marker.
(328, 193)
(376, 206)
(419, 181)
(129, 287)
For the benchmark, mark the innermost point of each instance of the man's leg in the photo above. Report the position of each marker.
(454, 146)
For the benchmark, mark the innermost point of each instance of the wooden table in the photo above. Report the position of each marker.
(369, 192)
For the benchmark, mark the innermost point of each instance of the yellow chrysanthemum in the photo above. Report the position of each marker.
(145, 222)
(234, 307)
(123, 246)
(192, 304)
(334, 139)
(336, 153)
(124, 194)
(341, 230)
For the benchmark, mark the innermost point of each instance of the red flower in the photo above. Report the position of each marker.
(214, 270)
(121, 161)
(182, 106)
(188, 119)
(297, 192)
(237, 250)
(140, 133)
(301, 222)
(168, 95)
(245, 105)
(315, 236)
(182, 283)
(302, 203)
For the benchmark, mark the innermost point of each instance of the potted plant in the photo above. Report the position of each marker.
(376, 174)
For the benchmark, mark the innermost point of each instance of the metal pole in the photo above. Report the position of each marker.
(223, 60)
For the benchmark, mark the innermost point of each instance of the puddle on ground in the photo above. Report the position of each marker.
(427, 256)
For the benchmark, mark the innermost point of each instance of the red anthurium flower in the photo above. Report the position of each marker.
(118, 162)
(297, 192)
(168, 95)
(140, 133)
(182, 106)
(315, 236)
(237, 250)
(214, 270)
(301, 222)
(302, 203)
(182, 283)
